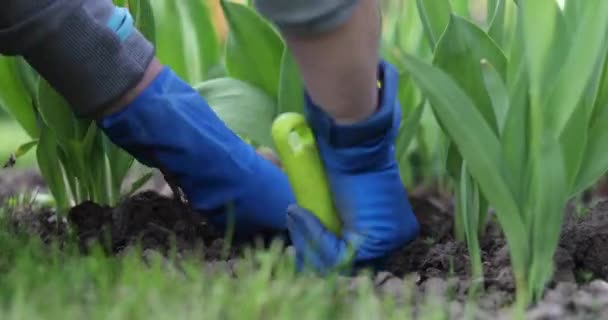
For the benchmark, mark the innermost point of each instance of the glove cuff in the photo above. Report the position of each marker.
(89, 51)
(384, 122)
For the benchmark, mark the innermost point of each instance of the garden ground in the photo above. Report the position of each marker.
(53, 267)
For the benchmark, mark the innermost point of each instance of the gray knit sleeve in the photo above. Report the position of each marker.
(306, 16)
(88, 50)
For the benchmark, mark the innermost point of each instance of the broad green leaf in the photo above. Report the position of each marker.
(468, 212)
(119, 162)
(453, 161)
(496, 29)
(25, 148)
(254, 49)
(137, 184)
(408, 94)
(549, 196)
(28, 76)
(14, 97)
(497, 90)
(460, 7)
(435, 15)
(515, 134)
(479, 147)
(99, 184)
(291, 88)
(460, 53)
(573, 10)
(185, 37)
(144, 18)
(574, 137)
(601, 100)
(595, 160)
(407, 132)
(56, 114)
(409, 33)
(50, 168)
(244, 108)
(585, 50)
(538, 35)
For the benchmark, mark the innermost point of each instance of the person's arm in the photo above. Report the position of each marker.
(336, 46)
(87, 50)
(355, 122)
(91, 53)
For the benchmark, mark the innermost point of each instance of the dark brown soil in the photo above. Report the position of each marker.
(434, 263)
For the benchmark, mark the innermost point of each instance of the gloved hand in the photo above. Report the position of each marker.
(171, 127)
(369, 195)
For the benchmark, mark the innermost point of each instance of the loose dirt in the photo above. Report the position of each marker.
(434, 264)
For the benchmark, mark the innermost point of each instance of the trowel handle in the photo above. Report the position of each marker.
(297, 150)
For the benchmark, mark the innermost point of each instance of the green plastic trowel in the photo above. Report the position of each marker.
(297, 150)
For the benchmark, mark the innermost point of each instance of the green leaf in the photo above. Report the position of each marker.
(498, 92)
(435, 15)
(50, 168)
(244, 108)
(28, 76)
(601, 100)
(25, 148)
(407, 132)
(460, 7)
(254, 49)
(573, 11)
(119, 162)
(515, 133)
(185, 38)
(144, 18)
(595, 160)
(14, 97)
(538, 35)
(549, 195)
(460, 52)
(56, 113)
(291, 88)
(479, 147)
(575, 74)
(137, 184)
(497, 25)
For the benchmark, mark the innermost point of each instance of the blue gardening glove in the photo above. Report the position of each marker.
(369, 195)
(169, 126)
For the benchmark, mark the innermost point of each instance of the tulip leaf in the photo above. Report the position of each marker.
(586, 49)
(185, 37)
(56, 113)
(460, 52)
(50, 167)
(14, 97)
(291, 87)
(497, 12)
(144, 18)
(254, 49)
(480, 148)
(497, 91)
(244, 108)
(407, 132)
(435, 15)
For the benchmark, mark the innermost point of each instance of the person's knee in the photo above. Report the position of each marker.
(306, 16)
